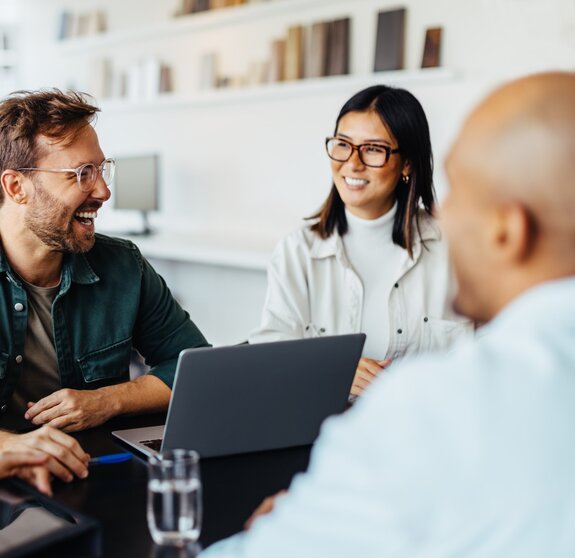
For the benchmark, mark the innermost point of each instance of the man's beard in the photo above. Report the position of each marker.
(53, 223)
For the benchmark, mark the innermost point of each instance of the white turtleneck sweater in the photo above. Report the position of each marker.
(376, 259)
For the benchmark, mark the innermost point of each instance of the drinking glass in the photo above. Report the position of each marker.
(174, 497)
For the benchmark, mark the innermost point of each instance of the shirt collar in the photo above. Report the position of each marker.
(75, 266)
(4, 265)
(80, 269)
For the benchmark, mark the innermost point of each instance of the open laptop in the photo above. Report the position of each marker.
(247, 398)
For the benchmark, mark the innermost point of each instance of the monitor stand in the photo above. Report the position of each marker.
(147, 230)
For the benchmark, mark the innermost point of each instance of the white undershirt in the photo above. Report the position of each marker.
(376, 259)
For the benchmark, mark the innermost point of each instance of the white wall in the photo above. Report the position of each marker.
(255, 166)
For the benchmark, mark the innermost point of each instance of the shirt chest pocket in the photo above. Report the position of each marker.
(442, 334)
(110, 364)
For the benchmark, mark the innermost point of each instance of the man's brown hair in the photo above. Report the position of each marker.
(26, 115)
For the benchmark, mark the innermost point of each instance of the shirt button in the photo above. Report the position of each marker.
(400, 331)
(19, 359)
(18, 307)
(4, 408)
(396, 285)
(426, 319)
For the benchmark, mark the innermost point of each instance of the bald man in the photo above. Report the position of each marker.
(469, 454)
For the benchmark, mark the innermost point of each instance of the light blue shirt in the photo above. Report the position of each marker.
(467, 454)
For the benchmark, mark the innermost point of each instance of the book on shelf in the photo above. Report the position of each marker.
(134, 80)
(80, 24)
(316, 55)
(432, 48)
(166, 81)
(208, 70)
(186, 7)
(151, 69)
(199, 6)
(293, 68)
(277, 60)
(145, 79)
(101, 77)
(390, 40)
(96, 22)
(65, 25)
(338, 47)
(216, 4)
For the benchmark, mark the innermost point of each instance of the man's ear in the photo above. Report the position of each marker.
(12, 183)
(514, 232)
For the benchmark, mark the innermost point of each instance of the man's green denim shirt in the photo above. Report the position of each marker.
(110, 300)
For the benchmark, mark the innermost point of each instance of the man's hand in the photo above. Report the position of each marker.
(27, 465)
(70, 409)
(265, 507)
(64, 455)
(367, 371)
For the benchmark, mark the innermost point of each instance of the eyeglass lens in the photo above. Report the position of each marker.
(88, 174)
(370, 155)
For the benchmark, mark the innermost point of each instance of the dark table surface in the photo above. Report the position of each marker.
(115, 495)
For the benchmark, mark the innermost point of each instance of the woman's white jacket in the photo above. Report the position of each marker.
(313, 290)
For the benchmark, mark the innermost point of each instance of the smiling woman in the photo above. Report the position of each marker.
(372, 260)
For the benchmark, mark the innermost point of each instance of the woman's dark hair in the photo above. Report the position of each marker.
(402, 113)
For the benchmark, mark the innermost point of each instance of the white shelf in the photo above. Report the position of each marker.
(203, 248)
(281, 90)
(200, 21)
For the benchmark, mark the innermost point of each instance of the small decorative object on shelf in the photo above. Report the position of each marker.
(390, 40)
(432, 49)
(81, 24)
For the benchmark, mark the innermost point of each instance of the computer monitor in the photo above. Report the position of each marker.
(136, 185)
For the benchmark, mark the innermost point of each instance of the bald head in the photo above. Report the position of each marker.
(512, 174)
(520, 143)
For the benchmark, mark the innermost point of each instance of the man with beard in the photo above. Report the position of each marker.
(471, 453)
(72, 303)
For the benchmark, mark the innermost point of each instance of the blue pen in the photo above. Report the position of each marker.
(112, 458)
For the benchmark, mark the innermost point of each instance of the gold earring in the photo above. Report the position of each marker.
(405, 178)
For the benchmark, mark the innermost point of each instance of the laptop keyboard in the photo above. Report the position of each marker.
(155, 445)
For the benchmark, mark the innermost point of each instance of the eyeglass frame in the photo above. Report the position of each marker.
(388, 151)
(77, 171)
